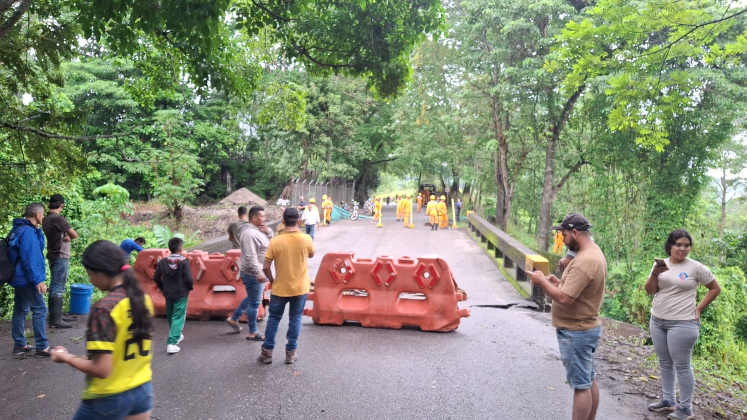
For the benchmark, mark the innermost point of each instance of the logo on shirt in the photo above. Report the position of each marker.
(683, 276)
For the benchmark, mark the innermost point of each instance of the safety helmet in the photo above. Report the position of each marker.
(312, 200)
(324, 197)
(443, 197)
(409, 196)
(433, 197)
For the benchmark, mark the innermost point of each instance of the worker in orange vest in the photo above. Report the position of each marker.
(443, 213)
(431, 210)
(420, 201)
(406, 207)
(400, 200)
(558, 247)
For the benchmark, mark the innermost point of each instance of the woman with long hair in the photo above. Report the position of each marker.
(118, 341)
(675, 320)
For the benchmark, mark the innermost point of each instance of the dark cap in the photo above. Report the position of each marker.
(290, 214)
(57, 198)
(574, 221)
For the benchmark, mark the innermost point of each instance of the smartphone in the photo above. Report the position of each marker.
(660, 262)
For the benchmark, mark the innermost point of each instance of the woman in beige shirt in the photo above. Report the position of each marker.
(675, 320)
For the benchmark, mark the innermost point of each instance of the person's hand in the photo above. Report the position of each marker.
(697, 314)
(263, 228)
(261, 278)
(41, 288)
(65, 239)
(536, 277)
(563, 263)
(658, 269)
(60, 355)
(552, 279)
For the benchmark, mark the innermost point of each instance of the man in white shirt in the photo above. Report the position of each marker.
(311, 217)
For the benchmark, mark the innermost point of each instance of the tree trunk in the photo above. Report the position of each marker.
(722, 221)
(228, 182)
(549, 188)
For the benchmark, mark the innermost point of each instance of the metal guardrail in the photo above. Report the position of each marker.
(514, 254)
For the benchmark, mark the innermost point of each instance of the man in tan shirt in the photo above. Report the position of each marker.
(577, 299)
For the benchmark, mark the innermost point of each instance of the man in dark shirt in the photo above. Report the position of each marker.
(59, 233)
(233, 227)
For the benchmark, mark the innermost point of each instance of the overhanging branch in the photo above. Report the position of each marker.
(60, 136)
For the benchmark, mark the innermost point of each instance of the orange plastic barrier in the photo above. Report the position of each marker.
(386, 293)
(218, 289)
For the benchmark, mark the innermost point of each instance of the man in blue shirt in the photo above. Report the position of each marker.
(128, 245)
(26, 251)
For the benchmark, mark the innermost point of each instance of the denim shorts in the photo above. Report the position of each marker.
(577, 353)
(137, 400)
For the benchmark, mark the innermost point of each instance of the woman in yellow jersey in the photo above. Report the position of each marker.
(118, 340)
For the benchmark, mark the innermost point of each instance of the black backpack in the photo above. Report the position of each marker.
(7, 269)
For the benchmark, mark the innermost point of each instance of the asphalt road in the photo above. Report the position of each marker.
(499, 364)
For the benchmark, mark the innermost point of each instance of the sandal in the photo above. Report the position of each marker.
(257, 337)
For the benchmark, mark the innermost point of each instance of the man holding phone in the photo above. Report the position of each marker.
(577, 300)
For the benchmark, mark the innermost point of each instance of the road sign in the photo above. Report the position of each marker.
(447, 190)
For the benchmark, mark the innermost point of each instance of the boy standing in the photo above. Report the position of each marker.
(174, 277)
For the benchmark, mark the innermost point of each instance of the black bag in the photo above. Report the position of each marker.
(7, 269)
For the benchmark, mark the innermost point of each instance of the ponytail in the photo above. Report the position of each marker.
(107, 258)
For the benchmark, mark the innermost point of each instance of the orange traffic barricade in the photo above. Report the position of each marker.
(386, 293)
(218, 289)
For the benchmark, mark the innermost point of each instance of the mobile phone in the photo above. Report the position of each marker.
(660, 262)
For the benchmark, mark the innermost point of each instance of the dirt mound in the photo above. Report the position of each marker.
(245, 197)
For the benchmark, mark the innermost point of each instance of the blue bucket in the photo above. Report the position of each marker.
(80, 298)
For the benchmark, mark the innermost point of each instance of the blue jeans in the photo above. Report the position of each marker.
(251, 302)
(310, 230)
(132, 402)
(577, 353)
(58, 268)
(28, 298)
(277, 307)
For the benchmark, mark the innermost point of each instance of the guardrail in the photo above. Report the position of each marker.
(514, 254)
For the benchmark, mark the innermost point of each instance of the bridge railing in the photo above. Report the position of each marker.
(515, 255)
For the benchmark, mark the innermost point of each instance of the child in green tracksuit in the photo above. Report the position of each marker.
(174, 277)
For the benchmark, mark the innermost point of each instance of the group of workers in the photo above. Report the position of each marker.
(436, 210)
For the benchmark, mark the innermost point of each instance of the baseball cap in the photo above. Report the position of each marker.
(57, 198)
(573, 221)
(290, 215)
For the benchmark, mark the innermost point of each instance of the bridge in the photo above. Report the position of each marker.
(499, 363)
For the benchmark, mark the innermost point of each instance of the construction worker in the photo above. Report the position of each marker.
(443, 213)
(406, 207)
(377, 209)
(327, 206)
(420, 201)
(431, 210)
(400, 200)
(558, 246)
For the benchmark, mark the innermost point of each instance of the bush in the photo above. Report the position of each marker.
(627, 299)
(740, 329)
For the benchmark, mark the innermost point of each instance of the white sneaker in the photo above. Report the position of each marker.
(181, 338)
(171, 349)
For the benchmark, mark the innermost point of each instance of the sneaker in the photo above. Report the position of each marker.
(290, 357)
(266, 356)
(234, 325)
(681, 414)
(23, 350)
(181, 338)
(172, 348)
(43, 353)
(662, 406)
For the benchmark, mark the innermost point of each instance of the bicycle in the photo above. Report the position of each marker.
(354, 213)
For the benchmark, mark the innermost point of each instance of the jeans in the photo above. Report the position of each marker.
(58, 268)
(310, 230)
(295, 313)
(28, 298)
(673, 343)
(458, 210)
(251, 302)
(135, 401)
(577, 353)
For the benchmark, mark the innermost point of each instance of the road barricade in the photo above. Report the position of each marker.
(386, 293)
(218, 289)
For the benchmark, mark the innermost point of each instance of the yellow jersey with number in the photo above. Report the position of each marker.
(109, 331)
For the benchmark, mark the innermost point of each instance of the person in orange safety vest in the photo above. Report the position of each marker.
(406, 208)
(431, 210)
(443, 213)
(420, 201)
